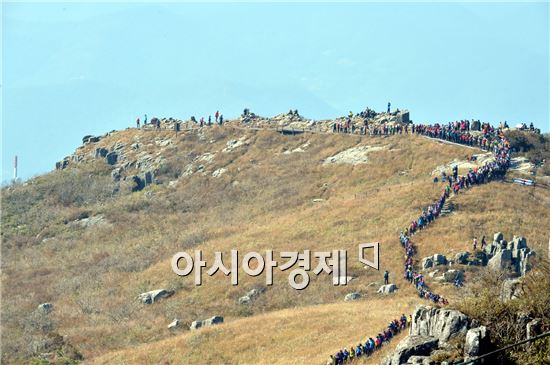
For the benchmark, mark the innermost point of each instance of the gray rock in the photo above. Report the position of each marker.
(251, 295)
(434, 260)
(154, 295)
(476, 341)
(90, 139)
(148, 178)
(387, 289)
(414, 345)
(100, 152)
(62, 164)
(451, 275)
(501, 260)
(498, 237)
(481, 257)
(45, 307)
(420, 360)
(174, 324)
(352, 296)
(462, 257)
(111, 158)
(427, 262)
(440, 323)
(439, 259)
(116, 174)
(206, 323)
(137, 183)
(524, 258)
(511, 289)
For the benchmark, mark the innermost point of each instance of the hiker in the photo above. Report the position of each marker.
(221, 119)
(217, 115)
(474, 243)
(209, 120)
(145, 120)
(389, 106)
(483, 243)
(137, 122)
(386, 277)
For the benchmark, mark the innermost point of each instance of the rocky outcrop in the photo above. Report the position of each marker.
(414, 345)
(207, 322)
(514, 256)
(443, 324)
(476, 342)
(155, 295)
(450, 276)
(431, 261)
(353, 156)
(431, 331)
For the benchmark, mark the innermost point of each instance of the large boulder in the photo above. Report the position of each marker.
(440, 323)
(414, 345)
(501, 260)
(154, 295)
(476, 342)
(498, 237)
(387, 289)
(427, 262)
(207, 322)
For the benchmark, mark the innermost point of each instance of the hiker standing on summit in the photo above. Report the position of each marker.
(386, 277)
(389, 106)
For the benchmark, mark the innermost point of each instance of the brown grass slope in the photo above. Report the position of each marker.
(263, 201)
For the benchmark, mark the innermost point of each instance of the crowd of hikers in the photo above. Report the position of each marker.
(499, 145)
(366, 349)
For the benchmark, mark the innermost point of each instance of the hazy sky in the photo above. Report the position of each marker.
(75, 69)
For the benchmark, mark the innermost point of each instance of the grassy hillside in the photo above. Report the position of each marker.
(264, 200)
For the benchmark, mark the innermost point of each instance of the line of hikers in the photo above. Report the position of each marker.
(491, 170)
(487, 172)
(367, 348)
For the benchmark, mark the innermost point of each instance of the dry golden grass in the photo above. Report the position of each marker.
(290, 336)
(263, 201)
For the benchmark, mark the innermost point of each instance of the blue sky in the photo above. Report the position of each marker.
(74, 69)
